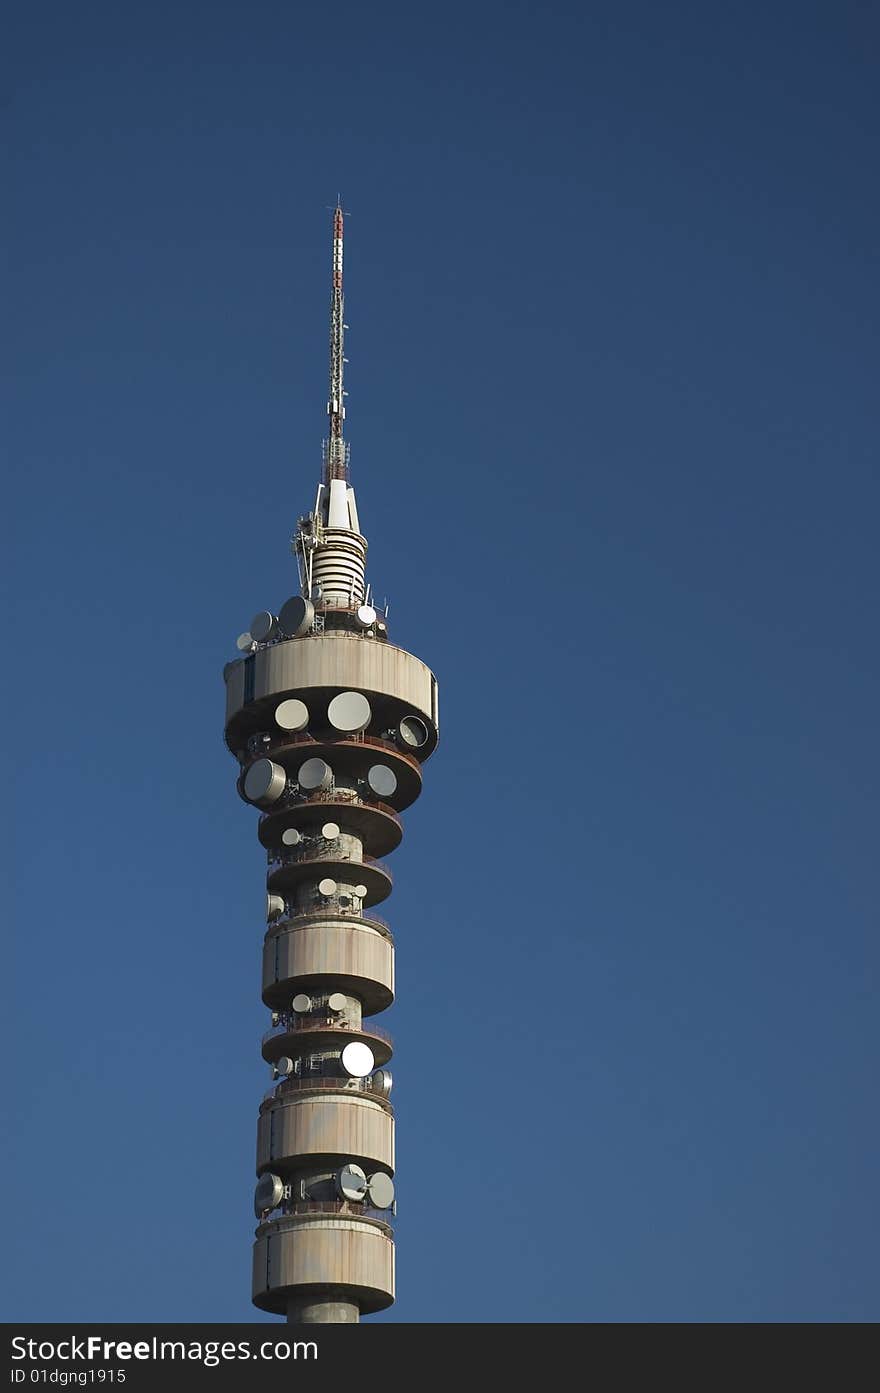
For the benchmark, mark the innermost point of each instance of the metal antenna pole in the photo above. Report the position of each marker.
(336, 464)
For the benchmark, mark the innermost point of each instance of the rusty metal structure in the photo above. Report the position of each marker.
(330, 724)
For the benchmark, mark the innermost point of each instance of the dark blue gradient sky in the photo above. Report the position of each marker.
(613, 302)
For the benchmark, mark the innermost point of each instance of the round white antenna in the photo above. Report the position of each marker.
(412, 732)
(290, 836)
(292, 715)
(296, 616)
(360, 891)
(380, 1189)
(263, 626)
(381, 1082)
(301, 1003)
(264, 782)
(351, 1182)
(314, 774)
(244, 643)
(327, 887)
(337, 1001)
(268, 1194)
(366, 616)
(382, 780)
(330, 831)
(358, 1060)
(284, 1065)
(349, 712)
(274, 906)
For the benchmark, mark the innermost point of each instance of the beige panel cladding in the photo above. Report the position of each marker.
(338, 1125)
(329, 950)
(321, 1253)
(336, 660)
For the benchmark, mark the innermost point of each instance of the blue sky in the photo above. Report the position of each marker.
(613, 303)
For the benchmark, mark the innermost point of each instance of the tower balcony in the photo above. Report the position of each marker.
(317, 1083)
(347, 1208)
(314, 668)
(276, 742)
(304, 1253)
(374, 822)
(329, 950)
(293, 1037)
(349, 757)
(297, 916)
(295, 866)
(327, 1128)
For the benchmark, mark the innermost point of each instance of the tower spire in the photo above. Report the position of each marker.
(330, 549)
(336, 463)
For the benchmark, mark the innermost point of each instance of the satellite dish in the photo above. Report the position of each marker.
(314, 774)
(292, 714)
(351, 1182)
(360, 891)
(301, 1003)
(290, 836)
(263, 626)
(412, 732)
(381, 1082)
(380, 1189)
(268, 1194)
(274, 906)
(327, 887)
(358, 1060)
(296, 616)
(264, 782)
(244, 643)
(284, 1065)
(337, 1001)
(330, 831)
(349, 712)
(382, 780)
(366, 616)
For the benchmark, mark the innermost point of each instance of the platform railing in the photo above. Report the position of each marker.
(349, 1209)
(334, 795)
(294, 913)
(319, 1023)
(374, 742)
(324, 1084)
(297, 856)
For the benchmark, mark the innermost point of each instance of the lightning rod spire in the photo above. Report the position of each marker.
(336, 462)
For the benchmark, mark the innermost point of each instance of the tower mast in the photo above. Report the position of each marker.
(330, 548)
(336, 464)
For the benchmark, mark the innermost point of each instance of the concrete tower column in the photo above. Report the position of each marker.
(305, 1311)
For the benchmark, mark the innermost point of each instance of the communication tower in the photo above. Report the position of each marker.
(330, 723)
